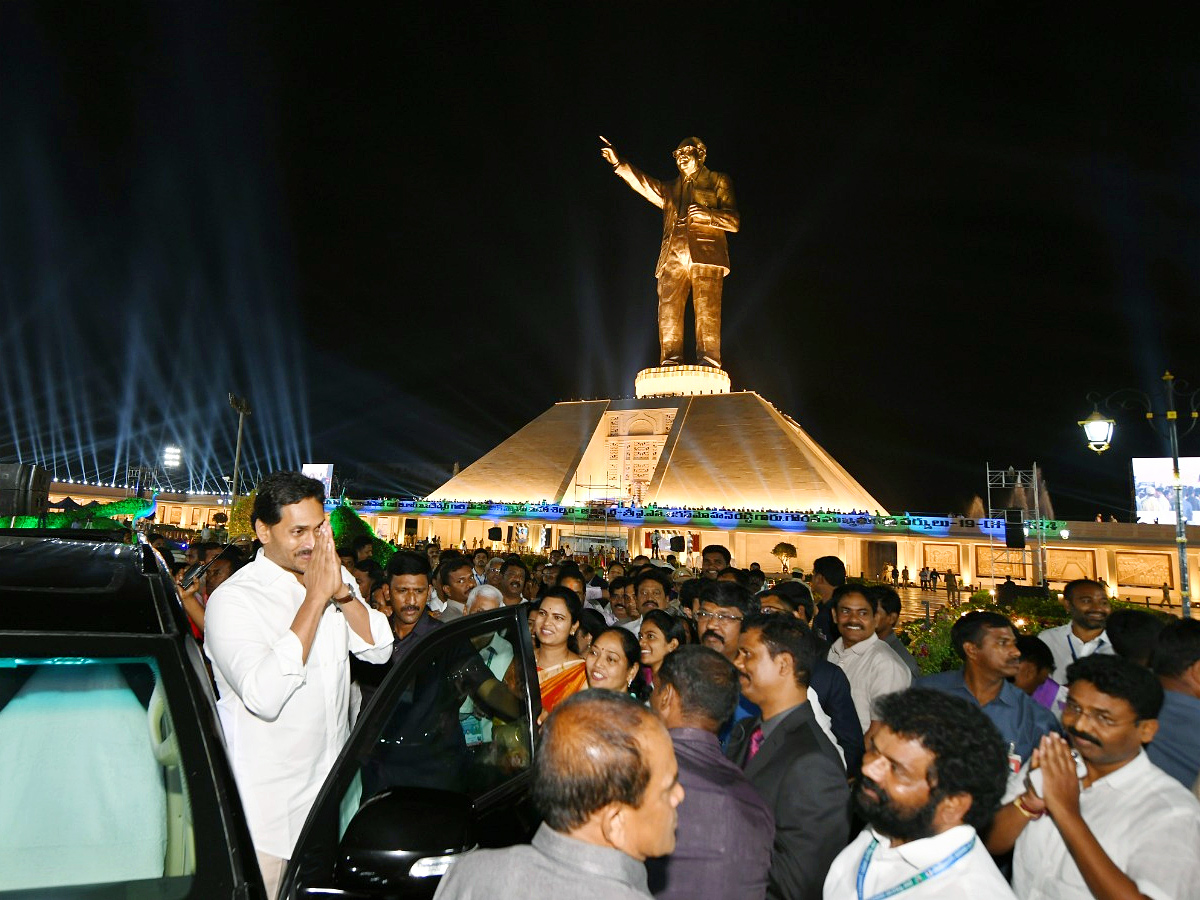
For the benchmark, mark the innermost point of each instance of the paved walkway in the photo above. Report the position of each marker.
(913, 600)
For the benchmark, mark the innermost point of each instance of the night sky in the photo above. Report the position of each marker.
(393, 232)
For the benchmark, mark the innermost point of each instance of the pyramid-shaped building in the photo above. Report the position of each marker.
(718, 450)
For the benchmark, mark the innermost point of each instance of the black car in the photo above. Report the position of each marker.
(438, 764)
(116, 782)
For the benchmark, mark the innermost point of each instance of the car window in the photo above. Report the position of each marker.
(93, 790)
(459, 723)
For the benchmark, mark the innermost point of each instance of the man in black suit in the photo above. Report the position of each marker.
(788, 758)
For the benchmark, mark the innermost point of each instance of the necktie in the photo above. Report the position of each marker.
(756, 740)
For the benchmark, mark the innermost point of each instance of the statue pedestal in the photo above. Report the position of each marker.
(680, 381)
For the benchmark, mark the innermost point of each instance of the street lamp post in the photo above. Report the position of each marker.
(242, 408)
(1098, 429)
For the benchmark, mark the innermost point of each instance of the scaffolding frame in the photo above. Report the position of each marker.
(1001, 485)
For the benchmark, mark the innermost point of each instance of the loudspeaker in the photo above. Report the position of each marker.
(24, 490)
(496, 533)
(1014, 536)
(677, 543)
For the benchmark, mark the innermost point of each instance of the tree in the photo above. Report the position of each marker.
(220, 518)
(347, 525)
(239, 516)
(785, 551)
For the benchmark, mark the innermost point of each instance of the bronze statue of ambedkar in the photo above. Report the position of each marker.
(698, 208)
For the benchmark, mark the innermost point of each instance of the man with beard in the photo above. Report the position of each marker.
(1086, 602)
(987, 644)
(1108, 823)
(787, 757)
(931, 779)
(285, 721)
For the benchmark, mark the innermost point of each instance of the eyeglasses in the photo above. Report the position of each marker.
(716, 617)
(1100, 718)
(684, 151)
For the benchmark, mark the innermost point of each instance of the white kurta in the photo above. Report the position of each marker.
(285, 720)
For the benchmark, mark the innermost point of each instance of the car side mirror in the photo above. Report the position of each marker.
(404, 838)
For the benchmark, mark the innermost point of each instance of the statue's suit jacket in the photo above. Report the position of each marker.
(706, 232)
(798, 772)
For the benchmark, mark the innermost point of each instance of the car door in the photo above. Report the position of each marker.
(438, 763)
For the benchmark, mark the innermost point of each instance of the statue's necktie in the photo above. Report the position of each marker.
(685, 200)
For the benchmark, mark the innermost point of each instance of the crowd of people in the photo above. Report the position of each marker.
(928, 577)
(710, 735)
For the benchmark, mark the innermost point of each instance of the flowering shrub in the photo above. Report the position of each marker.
(932, 648)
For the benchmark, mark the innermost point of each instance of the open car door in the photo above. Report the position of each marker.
(438, 764)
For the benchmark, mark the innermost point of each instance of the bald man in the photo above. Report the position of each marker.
(607, 785)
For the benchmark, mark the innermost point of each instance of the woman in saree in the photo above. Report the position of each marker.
(613, 664)
(560, 669)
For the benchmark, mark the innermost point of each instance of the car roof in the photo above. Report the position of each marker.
(68, 584)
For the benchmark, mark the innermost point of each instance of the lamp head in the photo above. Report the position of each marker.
(1099, 431)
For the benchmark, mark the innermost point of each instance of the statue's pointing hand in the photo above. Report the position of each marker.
(607, 151)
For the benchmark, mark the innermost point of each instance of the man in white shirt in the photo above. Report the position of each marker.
(497, 655)
(871, 666)
(1086, 601)
(279, 633)
(934, 770)
(1122, 828)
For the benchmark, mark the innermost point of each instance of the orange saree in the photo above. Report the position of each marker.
(559, 682)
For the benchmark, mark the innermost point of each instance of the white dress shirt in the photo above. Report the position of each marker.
(825, 722)
(974, 875)
(285, 720)
(606, 612)
(873, 669)
(1067, 647)
(1146, 821)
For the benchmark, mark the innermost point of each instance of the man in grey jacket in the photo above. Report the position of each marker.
(607, 786)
